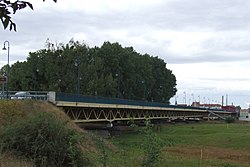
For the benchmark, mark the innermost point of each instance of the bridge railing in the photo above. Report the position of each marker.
(36, 95)
(55, 96)
(83, 108)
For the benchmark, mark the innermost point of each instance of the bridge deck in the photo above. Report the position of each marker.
(95, 109)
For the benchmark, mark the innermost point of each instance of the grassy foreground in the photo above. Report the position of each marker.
(41, 133)
(36, 133)
(202, 144)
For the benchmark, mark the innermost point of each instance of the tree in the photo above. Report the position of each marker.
(6, 6)
(110, 71)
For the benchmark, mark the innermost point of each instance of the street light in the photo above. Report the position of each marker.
(37, 81)
(8, 68)
(118, 84)
(77, 63)
(144, 90)
(176, 97)
(192, 96)
(184, 97)
(161, 93)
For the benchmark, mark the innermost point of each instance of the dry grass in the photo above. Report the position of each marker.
(10, 160)
(228, 155)
(13, 110)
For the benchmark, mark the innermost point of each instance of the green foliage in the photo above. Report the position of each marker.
(45, 140)
(230, 120)
(103, 158)
(110, 70)
(133, 125)
(6, 5)
(152, 146)
(228, 165)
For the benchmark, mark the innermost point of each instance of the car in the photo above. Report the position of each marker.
(2, 96)
(21, 95)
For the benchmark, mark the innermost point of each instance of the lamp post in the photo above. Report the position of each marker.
(118, 84)
(161, 93)
(192, 96)
(8, 68)
(144, 89)
(176, 97)
(37, 81)
(184, 98)
(77, 63)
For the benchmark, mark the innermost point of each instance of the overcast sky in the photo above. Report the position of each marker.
(206, 43)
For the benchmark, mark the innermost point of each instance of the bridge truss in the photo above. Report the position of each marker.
(82, 112)
(101, 109)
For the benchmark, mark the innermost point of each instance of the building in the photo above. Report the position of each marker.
(211, 106)
(244, 115)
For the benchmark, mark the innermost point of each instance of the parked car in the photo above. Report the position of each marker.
(2, 95)
(21, 95)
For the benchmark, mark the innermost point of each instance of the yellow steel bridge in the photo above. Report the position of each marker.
(99, 109)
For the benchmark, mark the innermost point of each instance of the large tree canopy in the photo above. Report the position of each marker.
(110, 70)
(7, 8)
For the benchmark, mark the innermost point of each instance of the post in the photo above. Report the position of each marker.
(226, 99)
(144, 90)
(176, 99)
(2, 91)
(185, 98)
(8, 68)
(77, 64)
(37, 81)
(193, 97)
(118, 84)
(78, 79)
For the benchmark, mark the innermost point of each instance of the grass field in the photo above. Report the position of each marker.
(201, 144)
(205, 144)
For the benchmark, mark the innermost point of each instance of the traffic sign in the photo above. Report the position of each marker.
(3, 79)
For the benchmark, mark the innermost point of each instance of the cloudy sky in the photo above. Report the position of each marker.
(206, 43)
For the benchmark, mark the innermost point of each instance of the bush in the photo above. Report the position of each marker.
(45, 140)
(230, 120)
(227, 165)
(152, 145)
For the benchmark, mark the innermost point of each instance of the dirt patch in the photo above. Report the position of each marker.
(211, 153)
(10, 160)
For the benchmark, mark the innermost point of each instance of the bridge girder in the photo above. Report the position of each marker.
(80, 114)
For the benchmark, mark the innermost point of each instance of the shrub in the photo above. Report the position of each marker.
(228, 165)
(45, 140)
(152, 145)
(230, 120)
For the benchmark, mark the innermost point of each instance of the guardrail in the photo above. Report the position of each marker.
(36, 95)
(66, 97)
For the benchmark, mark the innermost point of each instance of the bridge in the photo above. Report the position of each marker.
(82, 109)
(87, 109)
